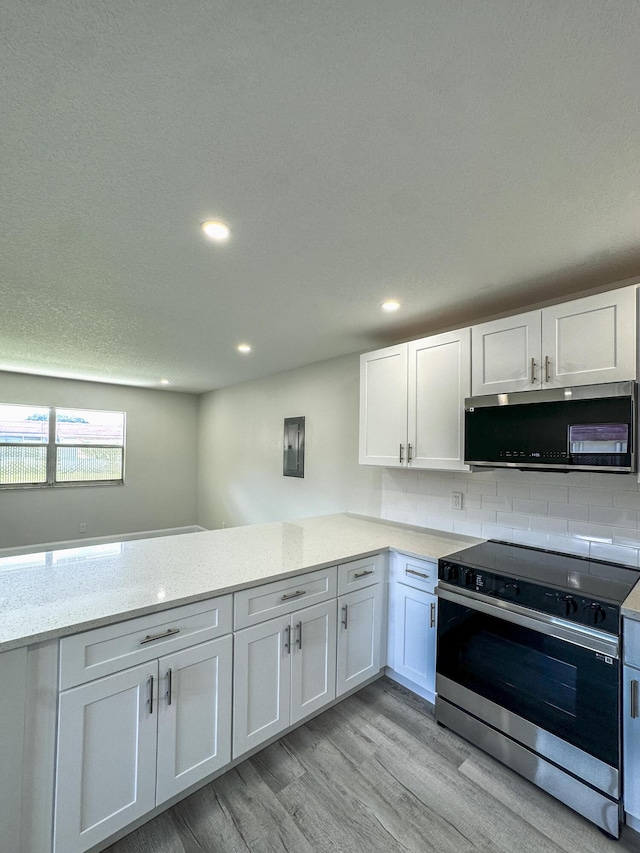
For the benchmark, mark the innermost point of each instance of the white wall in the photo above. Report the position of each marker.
(160, 467)
(595, 515)
(240, 443)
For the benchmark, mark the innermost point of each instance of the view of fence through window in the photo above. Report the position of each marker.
(40, 445)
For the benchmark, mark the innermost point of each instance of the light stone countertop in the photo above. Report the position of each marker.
(631, 605)
(54, 593)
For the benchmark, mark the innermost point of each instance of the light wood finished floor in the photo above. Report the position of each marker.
(374, 774)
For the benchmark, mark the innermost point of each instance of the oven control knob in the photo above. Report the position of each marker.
(596, 612)
(449, 572)
(570, 604)
(468, 577)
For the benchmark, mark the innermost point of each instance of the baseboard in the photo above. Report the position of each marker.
(99, 540)
(410, 685)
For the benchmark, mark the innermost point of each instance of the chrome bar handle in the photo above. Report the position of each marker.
(547, 369)
(299, 627)
(533, 371)
(417, 574)
(150, 699)
(169, 686)
(432, 623)
(287, 642)
(295, 594)
(408, 454)
(634, 699)
(401, 453)
(345, 620)
(363, 574)
(168, 633)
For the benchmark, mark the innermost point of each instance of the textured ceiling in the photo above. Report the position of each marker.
(465, 157)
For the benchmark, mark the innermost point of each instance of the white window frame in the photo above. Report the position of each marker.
(52, 453)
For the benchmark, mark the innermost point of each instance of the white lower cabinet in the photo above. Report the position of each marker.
(131, 740)
(284, 670)
(413, 625)
(359, 637)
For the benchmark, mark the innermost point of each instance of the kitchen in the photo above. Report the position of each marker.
(229, 466)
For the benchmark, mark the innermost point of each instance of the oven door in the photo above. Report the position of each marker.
(558, 683)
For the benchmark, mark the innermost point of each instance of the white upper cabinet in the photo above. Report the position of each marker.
(439, 381)
(505, 354)
(383, 406)
(583, 342)
(412, 403)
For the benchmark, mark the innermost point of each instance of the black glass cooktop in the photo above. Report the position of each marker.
(593, 578)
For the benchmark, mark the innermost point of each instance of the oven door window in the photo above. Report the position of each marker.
(569, 691)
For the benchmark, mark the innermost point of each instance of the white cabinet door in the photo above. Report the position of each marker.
(414, 646)
(106, 757)
(631, 740)
(261, 683)
(13, 697)
(194, 715)
(505, 355)
(439, 379)
(590, 340)
(313, 659)
(359, 654)
(383, 407)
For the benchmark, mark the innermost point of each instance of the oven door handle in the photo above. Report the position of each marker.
(579, 635)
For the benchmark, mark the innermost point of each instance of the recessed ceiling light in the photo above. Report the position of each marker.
(216, 230)
(390, 305)
(244, 348)
(165, 382)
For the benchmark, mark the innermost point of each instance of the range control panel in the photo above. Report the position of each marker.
(572, 606)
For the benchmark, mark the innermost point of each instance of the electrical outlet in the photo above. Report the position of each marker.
(83, 527)
(456, 500)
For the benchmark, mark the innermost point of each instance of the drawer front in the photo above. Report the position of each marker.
(631, 642)
(419, 574)
(263, 602)
(103, 651)
(360, 573)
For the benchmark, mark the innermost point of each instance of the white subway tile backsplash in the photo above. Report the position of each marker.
(494, 531)
(497, 502)
(547, 492)
(466, 528)
(578, 513)
(512, 519)
(593, 497)
(617, 482)
(482, 516)
(614, 516)
(552, 526)
(514, 490)
(591, 532)
(525, 505)
(627, 500)
(482, 487)
(616, 553)
(569, 544)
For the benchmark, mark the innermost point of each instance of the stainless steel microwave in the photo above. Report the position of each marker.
(587, 428)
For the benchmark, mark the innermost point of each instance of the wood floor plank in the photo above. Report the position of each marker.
(159, 835)
(374, 774)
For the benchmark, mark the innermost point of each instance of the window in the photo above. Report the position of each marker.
(51, 447)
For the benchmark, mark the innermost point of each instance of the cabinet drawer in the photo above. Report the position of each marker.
(103, 651)
(258, 603)
(419, 574)
(360, 573)
(631, 642)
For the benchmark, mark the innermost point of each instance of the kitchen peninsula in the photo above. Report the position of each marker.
(78, 632)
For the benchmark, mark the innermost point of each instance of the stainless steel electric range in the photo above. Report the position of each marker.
(529, 667)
